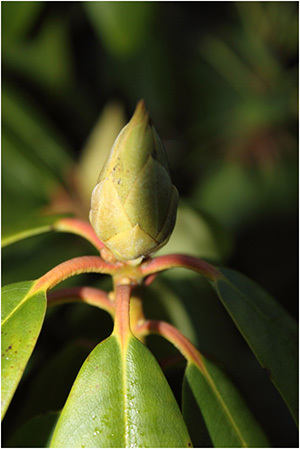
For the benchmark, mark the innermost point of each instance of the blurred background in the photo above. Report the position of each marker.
(220, 80)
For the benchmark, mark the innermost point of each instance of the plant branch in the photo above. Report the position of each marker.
(79, 227)
(72, 267)
(88, 295)
(174, 336)
(163, 263)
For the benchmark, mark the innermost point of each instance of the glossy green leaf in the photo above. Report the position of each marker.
(268, 329)
(36, 432)
(35, 225)
(22, 316)
(226, 415)
(121, 400)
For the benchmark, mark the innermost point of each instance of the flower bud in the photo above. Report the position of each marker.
(134, 204)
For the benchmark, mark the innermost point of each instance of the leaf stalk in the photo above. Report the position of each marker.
(88, 295)
(174, 336)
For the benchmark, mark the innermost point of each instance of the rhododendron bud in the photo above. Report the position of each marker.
(134, 204)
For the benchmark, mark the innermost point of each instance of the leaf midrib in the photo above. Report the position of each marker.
(19, 305)
(272, 323)
(227, 412)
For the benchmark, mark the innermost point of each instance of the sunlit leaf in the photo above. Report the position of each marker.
(120, 400)
(22, 317)
(226, 415)
(268, 329)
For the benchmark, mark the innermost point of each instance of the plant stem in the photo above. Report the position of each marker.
(87, 295)
(173, 335)
(79, 227)
(122, 312)
(78, 265)
(180, 260)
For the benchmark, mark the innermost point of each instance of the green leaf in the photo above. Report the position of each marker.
(198, 234)
(21, 321)
(194, 418)
(58, 374)
(233, 207)
(45, 59)
(227, 417)
(121, 400)
(34, 225)
(34, 156)
(36, 432)
(268, 329)
(122, 28)
(37, 140)
(97, 147)
(18, 18)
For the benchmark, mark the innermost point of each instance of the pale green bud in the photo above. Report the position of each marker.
(134, 204)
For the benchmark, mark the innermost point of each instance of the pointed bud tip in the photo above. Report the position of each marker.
(140, 113)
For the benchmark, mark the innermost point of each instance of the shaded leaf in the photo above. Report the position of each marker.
(98, 146)
(21, 321)
(122, 27)
(54, 379)
(120, 400)
(255, 196)
(18, 18)
(23, 119)
(197, 234)
(35, 225)
(226, 415)
(20, 177)
(268, 329)
(34, 157)
(193, 418)
(162, 300)
(45, 60)
(36, 432)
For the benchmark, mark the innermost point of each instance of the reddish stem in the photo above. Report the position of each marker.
(87, 295)
(78, 265)
(173, 335)
(180, 260)
(149, 279)
(122, 309)
(79, 227)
